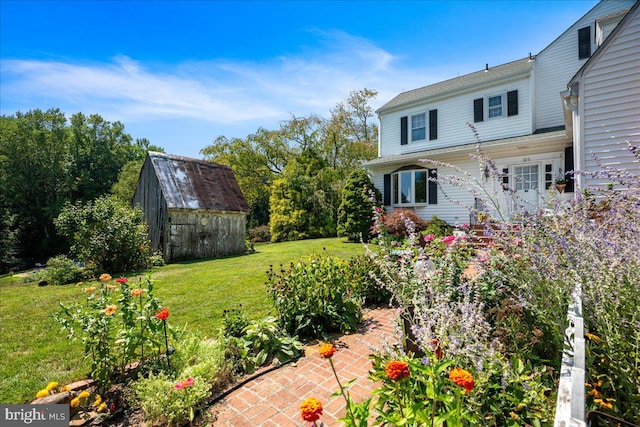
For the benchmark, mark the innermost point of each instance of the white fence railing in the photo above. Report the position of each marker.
(570, 406)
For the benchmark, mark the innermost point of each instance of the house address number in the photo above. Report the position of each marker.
(526, 159)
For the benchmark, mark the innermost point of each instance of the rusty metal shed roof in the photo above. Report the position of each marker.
(197, 184)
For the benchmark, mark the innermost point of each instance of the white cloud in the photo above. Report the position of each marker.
(216, 91)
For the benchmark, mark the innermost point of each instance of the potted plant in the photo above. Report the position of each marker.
(561, 183)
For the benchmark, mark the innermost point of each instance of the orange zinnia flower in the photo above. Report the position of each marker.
(462, 378)
(327, 350)
(90, 289)
(311, 409)
(163, 314)
(104, 277)
(110, 309)
(396, 370)
(137, 292)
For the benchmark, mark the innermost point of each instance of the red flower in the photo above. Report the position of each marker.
(396, 370)
(163, 314)
(462, 378)
(122, 280)
(327, 350)
(438, 351)
(311, 409)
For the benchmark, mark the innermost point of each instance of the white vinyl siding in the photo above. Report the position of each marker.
(610, 103)
(559, 62)
(453, 115)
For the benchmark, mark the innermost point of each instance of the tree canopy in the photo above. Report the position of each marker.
(46, 161)
(259, 161)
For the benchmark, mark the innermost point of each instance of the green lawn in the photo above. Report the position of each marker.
(33, 351)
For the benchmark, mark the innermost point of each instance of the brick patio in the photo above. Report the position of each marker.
(274, 398)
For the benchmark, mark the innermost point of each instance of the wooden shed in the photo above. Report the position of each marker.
(195, 208)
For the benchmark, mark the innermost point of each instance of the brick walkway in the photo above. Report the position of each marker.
(274, 398)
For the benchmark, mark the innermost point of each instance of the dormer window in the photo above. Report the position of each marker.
(418, 127)
(495, 106)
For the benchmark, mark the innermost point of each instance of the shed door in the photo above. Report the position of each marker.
(182, 240)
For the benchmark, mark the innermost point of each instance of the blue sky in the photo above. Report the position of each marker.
(183, 73)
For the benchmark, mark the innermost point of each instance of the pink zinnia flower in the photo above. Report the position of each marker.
(449, 240)
(184, 384)
(429, 237)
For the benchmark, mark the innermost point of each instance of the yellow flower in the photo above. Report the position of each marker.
(65, 388)
(604, 403)
(595, 393)
(110, 309)
(74, 402)
(137, 292)
(111, 287)
(104, 277)
(592, 337)
(52, 386)
(84, 395)
(90, 289)
(102, 407)
(98, 400)
(42, 393)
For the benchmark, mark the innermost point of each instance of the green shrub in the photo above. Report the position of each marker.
(362, 274)
(259, 234)
(265, 340)
(106, 233)
(438, 227)
(196, 357)
(163, 403)
(356, 207)
(60, 271)
(314, 298)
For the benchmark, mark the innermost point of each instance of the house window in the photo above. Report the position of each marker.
(408, 186)
(495, 106)
(418, 127)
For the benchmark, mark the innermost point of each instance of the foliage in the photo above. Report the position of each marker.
(361, 273)
(396, 222)
(265, 340)
(60, 271)
(438, 227)
(163, 402)
(303, 201)
(116, 325)
(314, 298)
(46, 161)
(259, 234)
(356, 206)
(343, 141)
(106, 233)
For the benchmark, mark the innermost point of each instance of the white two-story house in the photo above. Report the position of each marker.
(517, 111)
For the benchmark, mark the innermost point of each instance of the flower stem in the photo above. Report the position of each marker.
(346, 399)
(166, 344)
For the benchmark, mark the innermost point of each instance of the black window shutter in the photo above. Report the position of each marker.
(584, 42)
(478, 110)
(433, 125)
(568, 166)
(512, 103)
(404, 130)
(387, 190)
(433, 187)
